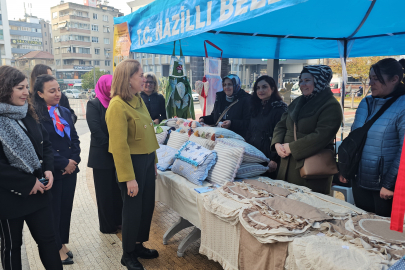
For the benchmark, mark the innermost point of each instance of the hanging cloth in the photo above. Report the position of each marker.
(179, 100)
(212, 79)
(398, 204)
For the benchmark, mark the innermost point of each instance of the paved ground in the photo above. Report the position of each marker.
(94, 250)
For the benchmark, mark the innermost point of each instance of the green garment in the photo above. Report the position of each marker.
(179, 99)
(318, 120)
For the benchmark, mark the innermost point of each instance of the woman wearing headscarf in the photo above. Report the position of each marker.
(266, 108)
(108, 194)
(231, 107)
(317, 116)
(154, 101)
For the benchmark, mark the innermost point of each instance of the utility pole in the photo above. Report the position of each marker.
(94, 75)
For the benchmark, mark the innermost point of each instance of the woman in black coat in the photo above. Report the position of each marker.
(41, 69)
(266, 108)
(238, 116)
(26, 164)
(108, 194)
(154, 102)
(66, 153)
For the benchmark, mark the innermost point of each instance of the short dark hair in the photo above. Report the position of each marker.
(39, 102)
(256, 102)
(39, 69)
(389, 67)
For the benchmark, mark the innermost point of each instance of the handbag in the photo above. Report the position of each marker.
(351, 149)
(320, 165)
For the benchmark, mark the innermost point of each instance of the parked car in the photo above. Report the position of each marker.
(196, 97)
(72, 93)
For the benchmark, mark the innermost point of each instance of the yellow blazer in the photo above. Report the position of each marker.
(131, 132)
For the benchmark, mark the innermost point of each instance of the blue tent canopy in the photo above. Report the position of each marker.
(273, 29)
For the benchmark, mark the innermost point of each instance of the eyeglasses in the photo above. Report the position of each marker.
(151, 83)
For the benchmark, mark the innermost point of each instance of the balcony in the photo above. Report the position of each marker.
(74, 30)
(75, 42)
(75, 56)
(73, 17)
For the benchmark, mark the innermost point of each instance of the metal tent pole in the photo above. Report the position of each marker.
(343, 89)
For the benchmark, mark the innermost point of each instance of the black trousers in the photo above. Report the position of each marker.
(40, 225)
(370, 201)
(109, 201)
(63, 192)
(137, 211)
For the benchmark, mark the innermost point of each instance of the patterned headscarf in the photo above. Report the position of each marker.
(235, 81)
(103, 89)
(322, 76)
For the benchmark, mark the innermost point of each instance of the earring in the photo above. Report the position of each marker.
(130, 86)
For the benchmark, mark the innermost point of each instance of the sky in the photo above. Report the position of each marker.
(42, 8)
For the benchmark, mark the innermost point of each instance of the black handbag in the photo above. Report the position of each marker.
(351, 149)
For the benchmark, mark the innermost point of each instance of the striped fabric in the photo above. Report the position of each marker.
(322, 76)
(161, 137)
(177, 139)
(228, 163)
(203, 142)
(247, 170)
(219, 131)
(251, 154)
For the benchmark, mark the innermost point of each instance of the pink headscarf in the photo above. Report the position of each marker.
(103, 89)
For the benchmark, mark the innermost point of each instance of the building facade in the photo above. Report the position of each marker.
(5, 46)
(82, 39)
(29, 34)
(27, 62)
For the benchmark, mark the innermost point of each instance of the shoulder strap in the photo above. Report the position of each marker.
(225, 111)
(387, 104)
(295, 132)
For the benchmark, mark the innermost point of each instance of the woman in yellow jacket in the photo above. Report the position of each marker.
(133, 145)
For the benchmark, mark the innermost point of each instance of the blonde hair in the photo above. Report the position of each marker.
(122, 74)
(153, 76)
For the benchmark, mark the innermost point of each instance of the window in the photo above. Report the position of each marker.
(68, 62)
(107, 63)
(81, 62)
(96, 62)
(45, 33)
(55, 15)
(58, 62)
(81, 50)
(44, 25)
(96, 51)
(106, 29)
(46, 42)
(106, 41)
(95, 16)
(105, 18)
(94, 27)
(1, 34)
(94, 39)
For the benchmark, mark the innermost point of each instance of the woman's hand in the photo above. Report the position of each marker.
(156, 121)
(287, 149)
(226, 124)
(49, 176)
(342, 179)
(201, 120)
(272, 166)
(37, 187)
(156, 172)
(280, 150)
(71, 167)
(386, 194)
(132, 187)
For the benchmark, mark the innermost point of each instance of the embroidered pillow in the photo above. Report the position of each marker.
(193, 162)
(177, 139)
(247, 170)
(228, 163)
(203, 142)
(225, 133)
(166, 156)
(252, 154)
(161, 129)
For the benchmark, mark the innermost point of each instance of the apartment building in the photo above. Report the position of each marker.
(5, 46)
(82, 39)
(30, 34)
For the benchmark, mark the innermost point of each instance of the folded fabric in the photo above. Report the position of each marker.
(229, 160)
(250, 170)
(160, 129)
(209, 144)
(166, 157)
(195, 174)
(251, 154)
(225, 133)
(193, 153)
(274, 190)
(177, 139)
(161, 137)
